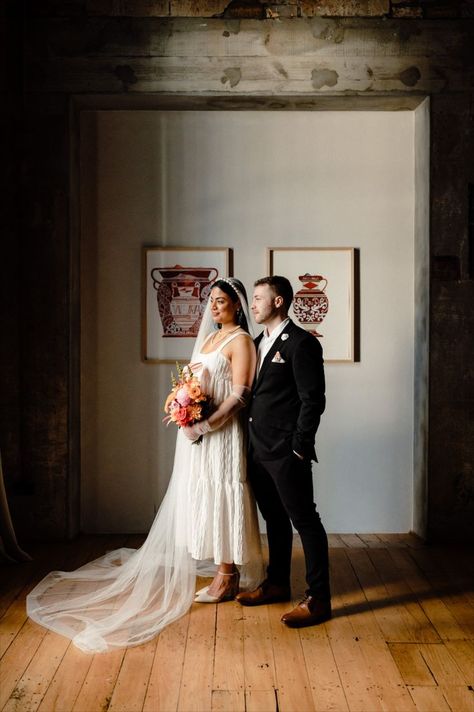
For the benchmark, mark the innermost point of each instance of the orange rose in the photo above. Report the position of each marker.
(194, 389)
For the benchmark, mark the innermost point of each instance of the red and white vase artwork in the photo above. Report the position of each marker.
(311, 303)
(182, 293)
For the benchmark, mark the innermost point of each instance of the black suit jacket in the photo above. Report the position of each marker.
(288, 396)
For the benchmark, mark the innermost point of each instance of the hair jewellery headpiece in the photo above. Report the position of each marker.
(230, 283)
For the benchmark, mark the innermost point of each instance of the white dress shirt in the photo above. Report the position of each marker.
(267, 341)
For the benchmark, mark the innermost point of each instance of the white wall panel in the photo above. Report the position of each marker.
(249, 180)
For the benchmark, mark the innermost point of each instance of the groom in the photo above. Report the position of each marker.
(287, 402)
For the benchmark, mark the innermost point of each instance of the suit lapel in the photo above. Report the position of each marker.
(257, 342)
(274, 348)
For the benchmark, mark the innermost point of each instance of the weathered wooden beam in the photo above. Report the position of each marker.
(260, 75)
(318, 37)
(234, 102)
(292, 56)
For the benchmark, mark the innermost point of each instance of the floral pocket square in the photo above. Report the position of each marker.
(278, 358)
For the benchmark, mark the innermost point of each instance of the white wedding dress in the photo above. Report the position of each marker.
(208, 516)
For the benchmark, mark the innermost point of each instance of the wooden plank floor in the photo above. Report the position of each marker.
(401, 639)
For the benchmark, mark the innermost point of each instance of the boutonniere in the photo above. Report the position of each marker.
(285, 336)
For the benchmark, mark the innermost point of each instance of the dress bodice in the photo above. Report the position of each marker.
(213, 368)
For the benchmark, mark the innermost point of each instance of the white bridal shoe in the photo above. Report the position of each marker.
(202, 596)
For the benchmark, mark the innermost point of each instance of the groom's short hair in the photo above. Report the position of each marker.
(280, 285)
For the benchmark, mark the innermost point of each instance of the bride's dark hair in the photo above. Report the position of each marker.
(231, 286)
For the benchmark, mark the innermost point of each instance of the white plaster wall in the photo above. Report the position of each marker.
(249, 180)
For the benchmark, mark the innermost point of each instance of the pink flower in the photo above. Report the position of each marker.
(182, 396)
(181, 416)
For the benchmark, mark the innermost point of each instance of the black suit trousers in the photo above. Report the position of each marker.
(284, 492)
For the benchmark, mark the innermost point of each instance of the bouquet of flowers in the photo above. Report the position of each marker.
(186, 404)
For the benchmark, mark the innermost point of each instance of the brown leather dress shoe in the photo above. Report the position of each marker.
(267, 592)
(310, 611)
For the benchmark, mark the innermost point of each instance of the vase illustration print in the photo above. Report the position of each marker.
(311, 303)
(181, 295)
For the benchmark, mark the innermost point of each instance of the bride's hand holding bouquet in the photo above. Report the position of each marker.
(186, 405)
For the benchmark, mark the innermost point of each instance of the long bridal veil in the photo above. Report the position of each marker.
(127, 596)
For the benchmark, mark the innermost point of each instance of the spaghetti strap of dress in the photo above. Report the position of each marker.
(230, 338)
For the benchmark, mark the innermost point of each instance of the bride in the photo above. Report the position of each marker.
(207, 517)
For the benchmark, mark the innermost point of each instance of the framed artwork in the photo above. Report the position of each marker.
(176, 285)
(323, 280)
